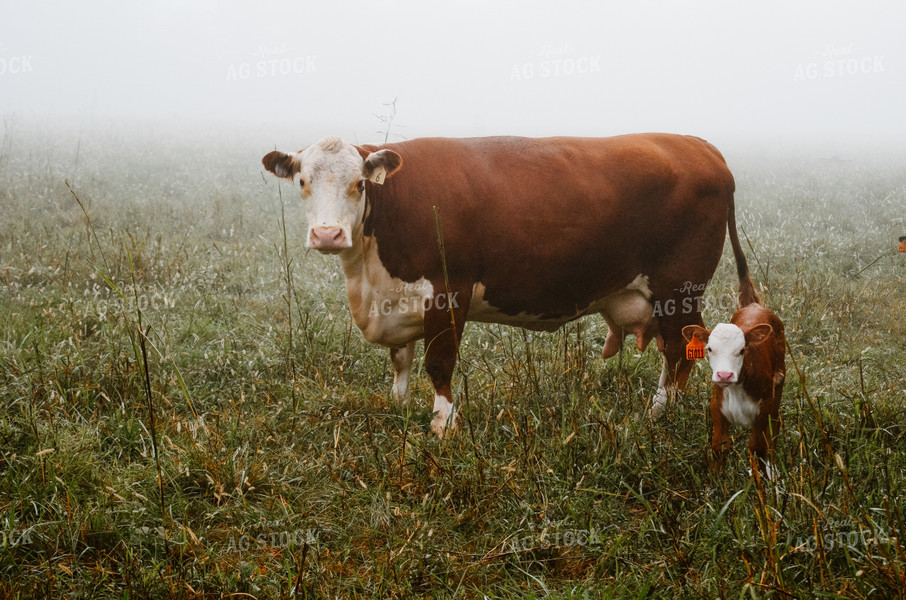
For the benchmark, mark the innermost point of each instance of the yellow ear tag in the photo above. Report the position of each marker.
(695, 349)
(378, 175)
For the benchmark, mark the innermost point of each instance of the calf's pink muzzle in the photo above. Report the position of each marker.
(724, 377)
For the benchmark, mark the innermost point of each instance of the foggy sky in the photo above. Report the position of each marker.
(309, 69)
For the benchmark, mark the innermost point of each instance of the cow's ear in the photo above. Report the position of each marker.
(690, 331)
(381, 165)
(282, 164)
(758, 334)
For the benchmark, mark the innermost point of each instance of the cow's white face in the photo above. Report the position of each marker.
(726, 347)
(331, 178)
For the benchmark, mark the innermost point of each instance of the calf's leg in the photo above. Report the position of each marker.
(720, 438)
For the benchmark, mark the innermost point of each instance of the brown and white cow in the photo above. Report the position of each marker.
(535, 233)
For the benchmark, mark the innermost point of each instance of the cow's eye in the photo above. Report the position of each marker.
(302, 183)
(360, 186)
(743, 351)
(708, 348)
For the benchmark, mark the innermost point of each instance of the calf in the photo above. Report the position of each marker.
(749, 367)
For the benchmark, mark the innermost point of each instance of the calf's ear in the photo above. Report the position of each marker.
(380, 165)
(758, 334)
(690, 331)
(282, 164)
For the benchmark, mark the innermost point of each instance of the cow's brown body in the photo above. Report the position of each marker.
(549, 226)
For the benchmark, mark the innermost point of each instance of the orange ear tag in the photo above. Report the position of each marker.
(695, 349)
(902, 246)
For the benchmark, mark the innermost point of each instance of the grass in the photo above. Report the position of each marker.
(287, 470)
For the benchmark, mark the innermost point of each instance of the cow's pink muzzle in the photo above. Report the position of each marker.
(327, 239)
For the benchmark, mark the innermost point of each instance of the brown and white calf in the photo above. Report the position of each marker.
(747, 357)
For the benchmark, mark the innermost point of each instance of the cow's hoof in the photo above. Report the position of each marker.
(441, 425)
(658, 404)
(662, 398)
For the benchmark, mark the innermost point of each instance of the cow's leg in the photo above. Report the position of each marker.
(442, 338)
(401, 357)
(660, 399)
(676, 369)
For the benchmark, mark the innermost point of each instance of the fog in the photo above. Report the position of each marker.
(296, 71)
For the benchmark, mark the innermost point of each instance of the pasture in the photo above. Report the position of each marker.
(187, 410)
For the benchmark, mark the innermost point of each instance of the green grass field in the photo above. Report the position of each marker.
(283, 467)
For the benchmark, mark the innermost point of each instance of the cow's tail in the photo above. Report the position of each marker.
(747, 292)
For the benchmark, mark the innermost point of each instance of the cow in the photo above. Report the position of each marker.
(747, 358)
(535, 233)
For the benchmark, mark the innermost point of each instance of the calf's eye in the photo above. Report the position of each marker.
(360, 186)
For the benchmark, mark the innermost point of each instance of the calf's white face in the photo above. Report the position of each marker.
(726, 347)
(331, 177)
(725, 350)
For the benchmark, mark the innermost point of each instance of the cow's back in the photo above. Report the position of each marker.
(549, 225)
